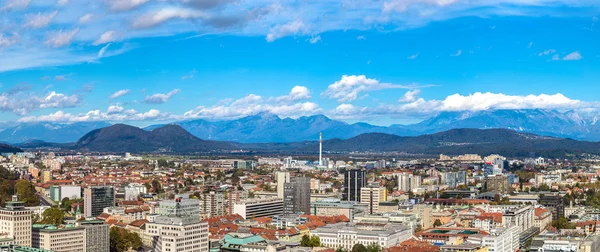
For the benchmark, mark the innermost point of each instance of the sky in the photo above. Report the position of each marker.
(378, 61)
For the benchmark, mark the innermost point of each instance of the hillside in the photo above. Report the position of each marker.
(125, 138)
(5, 148)
(49, 132)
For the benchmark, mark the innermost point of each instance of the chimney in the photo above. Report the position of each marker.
(320, 148)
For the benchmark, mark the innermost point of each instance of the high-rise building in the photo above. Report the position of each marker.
(250, 209)
(354, 180)
(462, 178)
(408, 182)
(296, 196)
(555, 204)
(497, 183)
(58, 193)
(46, 176)
(213, 204)
(97, 235)
(66, 239)
(15, 221)
(96, 198)
(282, 178)
(372, 196)
(450, 179)
(423, 212)
(181, 205)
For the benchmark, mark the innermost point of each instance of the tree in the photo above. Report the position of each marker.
(53, 216)
(305, 241)
(373, 247)
(26, 193)
(315, 241)
(419, 228)
(122, 240)
(156, 186)
(340, 250)
(563, 223)
(359, 248)
(437, 223)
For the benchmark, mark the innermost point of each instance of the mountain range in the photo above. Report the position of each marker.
(269, 128)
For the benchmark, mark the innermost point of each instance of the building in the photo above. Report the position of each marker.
(521, 216)
(372, 196)
(354, 180)
(346, 235)
(497, 184)
(448, 236)
(213, 204)
(97, 235)
(46, 176)
(543, 218)
(424, 214)
(282, 178)
(58, 193)
(67, 239)
(96, 198)
(181, 205)
(134, 190)
(408, 182)
(250, 209)
(181, 233)
(499, 240)
(332, 207)
(15, 221)
(296, 196)
(555, 204)
(465, 247)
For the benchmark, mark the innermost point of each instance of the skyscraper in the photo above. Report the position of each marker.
(96, 198)
(372, 195)
(354, 180)
(407, 182)
(282, 178)
(15, 220)
(296, 196)
(97, 235)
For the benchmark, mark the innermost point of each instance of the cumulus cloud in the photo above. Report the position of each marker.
(410, 95)
(113, 113)
(349, 87)
(298, 93)
(458, 53)
(119, 93)
(361, 38)
(155, 18)
(291, 28)
(21, 103)
(160, 98)
(124, 5)
(86, 18)
(61, 38)
(314, 40)
(39, 20)
(107, 37)
(573, 56)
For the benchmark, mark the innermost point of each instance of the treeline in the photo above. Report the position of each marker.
(11, 184)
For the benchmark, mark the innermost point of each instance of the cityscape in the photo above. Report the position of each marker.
(299, 126)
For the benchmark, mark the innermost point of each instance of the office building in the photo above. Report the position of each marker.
(96, 198)
(15, 221)
(332, 207)
(521, 216)
(282, 178)
(372, 196)
(133, 191)
(179, 232)
(181, 205)
(97, 235)
(497, 184)
(424, 212)
(46, 176)
(213, 204)
(346, 235)
(67, 239)
(462, 177)
(250, 209)
(498, 240)
(555, 204)
(354, 180)
(450, 179)
(58, 193)
(296, 196)
(408, 182)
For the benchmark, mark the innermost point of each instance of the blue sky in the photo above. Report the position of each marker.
(383, 62)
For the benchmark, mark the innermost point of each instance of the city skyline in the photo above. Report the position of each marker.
(382, 62)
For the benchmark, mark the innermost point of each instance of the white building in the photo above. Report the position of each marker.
(178, 233)
(181, 203)
(282, 178)
(134, 190)
(15, 220)
(372, 196)
(499, 240)
(259, 208)
(67, 239)
(521, 216)
(408, 182)
(346, 235)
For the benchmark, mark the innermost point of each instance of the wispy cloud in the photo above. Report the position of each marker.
(160, 98)
(458, 53)
(119, 93)
(414, 56)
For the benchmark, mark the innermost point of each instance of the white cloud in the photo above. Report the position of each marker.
(113, 109)
(555, 57)
(61, 38)
(458, 53)
(119, 93)
(403, 5)
(8, 41)
(22, 103)
(107, 37)
(291, 28)
(15, 4)
(124, 5)
(103, 50)
(114, 113)
(410, 95)
(530, 44)
(349, 87)
(414, 56)
(189, 75)
(361, 38)
(315, 40)
(62, 77)
(298, 93)
(155, 18)
(573, 56)
(86, 18)
(39, 20)
(62, 2)
(160, 98)
(547, 52)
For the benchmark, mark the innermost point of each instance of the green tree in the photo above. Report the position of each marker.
(122, 240)
(419, 228)
(305, 241)
(315, 241)
(359, 248)
(563, 223)
(26, 193)
(437, 223)
(157, 186)
(53, 216)
(340, 250)
(373, 248)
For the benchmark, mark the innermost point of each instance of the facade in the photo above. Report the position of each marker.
(354, 180)
(68, 239)
(97, 235)
(543, 218)
(282, 178)
(408, 182)
(332, 207)
(346, 235)
(96, 198)
(521, 216)
(213, 204)
(179, 233)
(181, 205)
(15, 221)
(497, 184)
(424, 213)
(555, 204)
(499, 240)
(372, 197)
(134, 190)
(58, 193)
(296, 196)
(259, 208)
